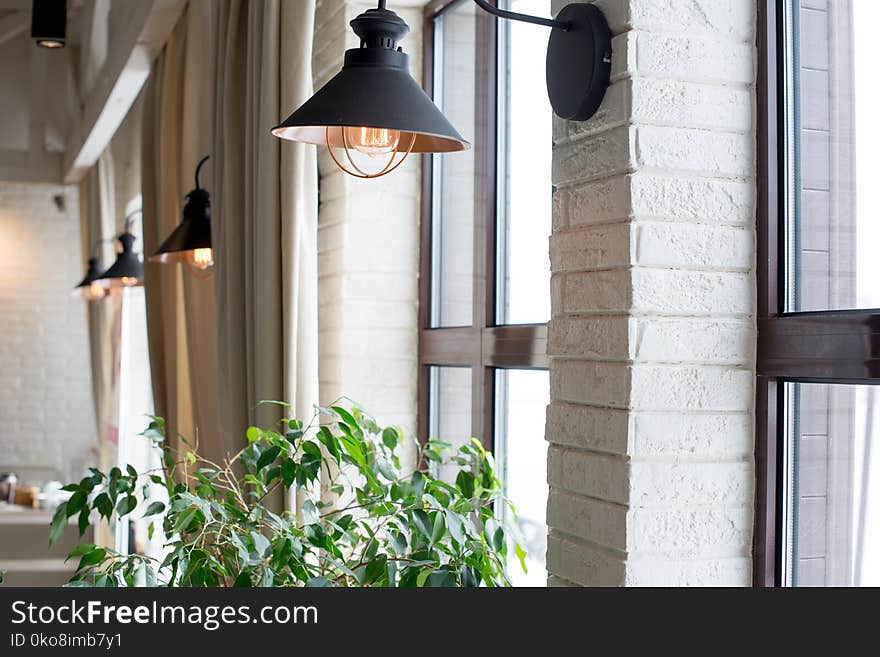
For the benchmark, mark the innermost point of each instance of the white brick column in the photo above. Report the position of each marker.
(368, 252)
(652, 334)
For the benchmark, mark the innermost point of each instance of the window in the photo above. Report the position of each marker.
(485, 272)
(817, 521)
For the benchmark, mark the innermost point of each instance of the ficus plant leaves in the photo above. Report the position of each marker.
(384, 524)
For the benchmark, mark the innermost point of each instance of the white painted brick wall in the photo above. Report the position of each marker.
(47, 426)
(368, 245)
(652, 336)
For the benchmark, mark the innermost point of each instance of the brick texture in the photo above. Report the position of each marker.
(47, 426)
(652, 335)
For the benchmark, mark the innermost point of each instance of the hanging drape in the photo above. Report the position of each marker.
(180, 303)
(98, 232)
(265, 216)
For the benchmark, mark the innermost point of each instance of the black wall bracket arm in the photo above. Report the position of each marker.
(525, 18)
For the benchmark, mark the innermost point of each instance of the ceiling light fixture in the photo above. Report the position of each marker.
(373, 105)
(49, 23)
(128, 270)
(190, 242)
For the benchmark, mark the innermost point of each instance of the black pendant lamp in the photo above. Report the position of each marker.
(49, 23)
(190, 243)
(373, 105)
(89, 288)
(128, 270)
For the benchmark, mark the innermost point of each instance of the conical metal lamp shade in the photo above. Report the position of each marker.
(128, 270)
(193, 233)
(89, 288)
(373, 90)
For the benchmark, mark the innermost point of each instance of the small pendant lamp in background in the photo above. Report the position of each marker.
(190, 242)
(49, 23)
(89, 288)
(128, 270)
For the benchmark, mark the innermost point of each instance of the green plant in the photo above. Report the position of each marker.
(386, 527)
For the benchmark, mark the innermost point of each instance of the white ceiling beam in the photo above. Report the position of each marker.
(13, 25)
(130, 54)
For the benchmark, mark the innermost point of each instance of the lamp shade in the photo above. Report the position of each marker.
(128, 270)
(89, 288)
(192, 235)
(373, 90)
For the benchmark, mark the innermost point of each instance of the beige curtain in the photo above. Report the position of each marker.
(98, 232)
(180, 304)
(265, 215)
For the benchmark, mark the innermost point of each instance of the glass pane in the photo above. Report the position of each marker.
(524, 158)
(522, 397)
(450, 409)
(455, 54)
(832, 500)
(832, 140)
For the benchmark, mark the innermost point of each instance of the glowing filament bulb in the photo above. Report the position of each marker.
(128, 281)
(92, 292)
(201, 258)
(372, 141)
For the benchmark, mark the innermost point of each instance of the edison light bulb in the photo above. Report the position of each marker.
(128, 281)
(92, 292)
(372, 141)
(200, 258)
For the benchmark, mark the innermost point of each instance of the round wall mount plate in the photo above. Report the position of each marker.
(579, 62)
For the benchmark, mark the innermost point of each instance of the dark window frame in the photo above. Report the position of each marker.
(484, 346)
(833, 347)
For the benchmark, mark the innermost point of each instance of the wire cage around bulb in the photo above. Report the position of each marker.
(349, 144)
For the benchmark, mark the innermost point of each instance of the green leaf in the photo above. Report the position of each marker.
(243, 580)
(498, 539)
(103, 504)
(418, 484)
(424, 574)
(465, 482)
(183, 520)
(439, 529)
(349, 420)
(126, 505)
(423, 523)
(391, 437)
(521, 555)
(310, 513)
(92, 558)
(375, 569)
(329, 441)
(455, 526)
(83, 522)
(75, 503)
(154, 509)
(261, 544)
(288, 472)
(59, 522)
(398, 543)
(268, 456)
(253, 434)
(80, 550)
(318, 582)
(151, 528)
